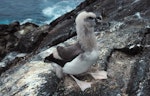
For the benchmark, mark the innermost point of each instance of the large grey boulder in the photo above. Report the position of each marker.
(124, 52)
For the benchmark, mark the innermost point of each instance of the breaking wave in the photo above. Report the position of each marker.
(39, 11)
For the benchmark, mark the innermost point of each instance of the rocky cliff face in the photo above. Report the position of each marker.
(124, 52)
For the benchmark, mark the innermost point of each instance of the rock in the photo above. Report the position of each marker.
(3, 27)
(25, 28)
(7, 39)
(13, 27)
(140, 75)
(32, 78)
(58, 34)
(30, 37)
(124, 45)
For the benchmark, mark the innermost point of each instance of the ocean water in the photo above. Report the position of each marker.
(36, 11)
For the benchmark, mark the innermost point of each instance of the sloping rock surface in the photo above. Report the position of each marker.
(124, 52)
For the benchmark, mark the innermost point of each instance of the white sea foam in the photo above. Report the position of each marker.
(40, 12)
(26, 20)
(55, 11)
(59, 9)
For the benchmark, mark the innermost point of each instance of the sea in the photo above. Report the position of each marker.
(36, 11)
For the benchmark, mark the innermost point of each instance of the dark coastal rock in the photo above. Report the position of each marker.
(7, 39)
(124, 52)
(140, 75)
(31, 37)
(13, 27)
(3, 27)
(11, 35)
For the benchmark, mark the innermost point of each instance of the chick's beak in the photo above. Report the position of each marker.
(98, 19)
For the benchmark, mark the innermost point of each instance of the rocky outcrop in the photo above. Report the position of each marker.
(124, 52)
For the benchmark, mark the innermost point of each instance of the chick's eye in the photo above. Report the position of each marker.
(90, 18)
